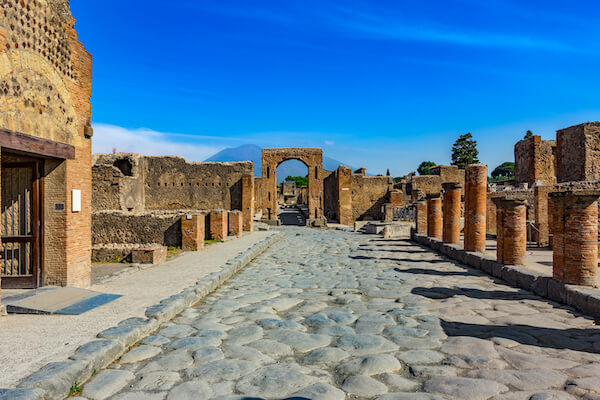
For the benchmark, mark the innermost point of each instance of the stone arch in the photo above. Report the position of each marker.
(313, 159)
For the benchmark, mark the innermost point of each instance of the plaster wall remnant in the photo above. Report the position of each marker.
(344, 195)
(45, 90)
(578, 153)
(313, 159)
(534, 161)
(369, 194)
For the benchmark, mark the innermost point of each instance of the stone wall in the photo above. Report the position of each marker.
(45, 90)
(139, 200)
(534, 161)
(369, 194)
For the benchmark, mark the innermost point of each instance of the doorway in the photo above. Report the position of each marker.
(20, 224)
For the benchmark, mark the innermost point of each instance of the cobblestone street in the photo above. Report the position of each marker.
(334, 315)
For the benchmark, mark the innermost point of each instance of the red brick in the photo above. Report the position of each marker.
(451, 212)
(192, 232)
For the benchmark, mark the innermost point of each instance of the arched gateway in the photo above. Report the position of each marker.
(313, 159)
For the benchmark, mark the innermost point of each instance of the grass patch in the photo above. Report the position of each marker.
(76, 389)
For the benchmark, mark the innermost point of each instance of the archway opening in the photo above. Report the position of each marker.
(292, 192)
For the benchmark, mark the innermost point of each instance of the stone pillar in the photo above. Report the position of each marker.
(236, 223)
(344, 187)
(388, 212)
(575, 237)
(451, 218)
(192, 232)
(248, 196)
(218, 224)
(511, 231)
(421, 217)
(475, 207)
(434, 216)
(542, 216)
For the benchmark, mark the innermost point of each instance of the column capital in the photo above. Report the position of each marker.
(452, 186)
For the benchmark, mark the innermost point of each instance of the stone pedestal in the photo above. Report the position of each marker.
(388, 212)
(475, 207)
(451, 212)
(218, 224)
(149, 255)
(236, 223)
(575, 237)
(421, 217)
(192, 232)
(511, 231)
(434, 216)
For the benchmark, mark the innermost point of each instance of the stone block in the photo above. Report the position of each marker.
(149, 255)
(540, 285)
(576, 298)
(557, 291)
(192, 232)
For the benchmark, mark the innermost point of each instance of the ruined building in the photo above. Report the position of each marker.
(140, 200)
(45, 137)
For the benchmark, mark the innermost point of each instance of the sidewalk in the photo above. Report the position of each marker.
(28, 342)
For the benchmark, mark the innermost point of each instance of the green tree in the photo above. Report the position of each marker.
(464, 151)
(398, 179)
(300, 180)
(425, 167)
(528, 134)
(505, 170)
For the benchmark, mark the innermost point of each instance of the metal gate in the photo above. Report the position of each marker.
(20, 225)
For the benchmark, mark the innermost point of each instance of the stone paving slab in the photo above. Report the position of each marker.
(28, 342)
(337, 315)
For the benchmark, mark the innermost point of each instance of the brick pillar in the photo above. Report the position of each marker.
(575, 237)
(511, 231)
(218, 224)
(344, 195)
(475, 207)
(542, 216)
(434, 216)
(451, 218)
(397, 198)
(192, 232)
(421, 217)
(248, 196)
(236, 223)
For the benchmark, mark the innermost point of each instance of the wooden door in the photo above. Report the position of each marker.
(20, 225)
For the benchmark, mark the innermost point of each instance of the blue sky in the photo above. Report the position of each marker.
(379, 84)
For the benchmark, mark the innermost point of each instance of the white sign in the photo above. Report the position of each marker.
(76, 200)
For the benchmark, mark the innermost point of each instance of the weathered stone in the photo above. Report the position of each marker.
(363, 386)
(279, 380)
(369, 365)
(363, 344)
(195, 389)
(139, 353)
(106, 384)
(154, 381)
(465, 388)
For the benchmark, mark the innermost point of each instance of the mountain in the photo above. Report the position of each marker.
(251, 152)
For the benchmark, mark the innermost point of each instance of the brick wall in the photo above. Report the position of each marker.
(534, 161)
(578, 153)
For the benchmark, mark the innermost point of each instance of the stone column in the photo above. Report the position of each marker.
(575, 237)
(475, 207)
(421, 217)
(192, 232)
(388, 212)
(218, 224)
(434, 216)
(451, 217)
(511, 231)
(344, 195)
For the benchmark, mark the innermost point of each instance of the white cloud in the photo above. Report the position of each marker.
(148, 142)
(329, 143)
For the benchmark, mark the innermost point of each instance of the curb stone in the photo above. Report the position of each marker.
(584, 299)
(54, 380)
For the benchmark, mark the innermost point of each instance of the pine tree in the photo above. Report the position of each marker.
(528, 134)
(464, 151)
(388, 173)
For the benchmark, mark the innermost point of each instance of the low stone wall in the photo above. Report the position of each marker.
(583, 299)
